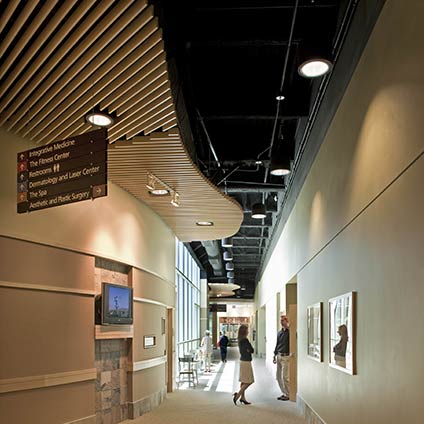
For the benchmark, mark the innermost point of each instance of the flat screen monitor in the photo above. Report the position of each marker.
(117, 304)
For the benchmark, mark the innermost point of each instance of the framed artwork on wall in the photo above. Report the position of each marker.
(314, 321)
(342, 317)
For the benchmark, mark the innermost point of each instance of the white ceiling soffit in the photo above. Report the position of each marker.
(61, 59)
(164, 156)
(222, 289)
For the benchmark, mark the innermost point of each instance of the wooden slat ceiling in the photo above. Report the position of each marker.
(62, 59)
(164, 155)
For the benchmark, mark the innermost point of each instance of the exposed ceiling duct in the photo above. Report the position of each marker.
(215, 257)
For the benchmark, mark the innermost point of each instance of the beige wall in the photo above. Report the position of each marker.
(116, 227)
(47, 336)
(47, 287)
(357, 225)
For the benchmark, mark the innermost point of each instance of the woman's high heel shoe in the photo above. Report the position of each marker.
(235, 398)
(245, 402)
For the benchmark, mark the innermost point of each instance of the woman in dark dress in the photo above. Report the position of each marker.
(246, 371)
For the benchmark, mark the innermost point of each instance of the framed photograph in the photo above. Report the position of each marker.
(342, 317)
(149, 341)
(314, 320)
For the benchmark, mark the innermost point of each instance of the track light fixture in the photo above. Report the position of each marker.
(227, 242)
(258, 211)
(157, 187)
(175, 199)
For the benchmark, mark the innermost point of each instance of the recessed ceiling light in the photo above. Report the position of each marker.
(100, 119)
(280, 172)
(204, 223)
(159, 192)
(280, 97)
(314, 68)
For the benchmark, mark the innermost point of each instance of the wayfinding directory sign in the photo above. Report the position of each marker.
(62, 172)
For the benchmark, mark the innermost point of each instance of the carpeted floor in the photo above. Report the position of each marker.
(211, 400)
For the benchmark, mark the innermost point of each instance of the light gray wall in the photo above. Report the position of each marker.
(358, 226)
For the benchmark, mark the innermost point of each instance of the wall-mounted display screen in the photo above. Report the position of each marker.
(117, 304)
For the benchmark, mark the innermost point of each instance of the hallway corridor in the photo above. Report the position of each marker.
(211, 401)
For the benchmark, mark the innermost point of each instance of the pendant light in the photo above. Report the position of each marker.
(258, 211)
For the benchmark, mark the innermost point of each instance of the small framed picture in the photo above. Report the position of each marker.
(149, 341)
(314, 321)
(342, 317)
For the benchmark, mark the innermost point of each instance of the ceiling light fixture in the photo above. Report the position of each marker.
(159, 192)
(150, 181)
(280, 165)
(100, 119)
(157, 187)
(314, 68)
(258, 211)
(227, 242)
(280, 97)
(228, 256)
(204, 223)
(175, 201)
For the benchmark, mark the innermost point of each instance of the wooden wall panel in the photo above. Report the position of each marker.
(31, 263)
(46, 332)
(52, 405)
(145, 382)
(149, 286)
(147, 322)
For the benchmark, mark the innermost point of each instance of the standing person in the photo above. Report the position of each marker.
(223, 345)
(281, 357)
(340, 348)
(206, 347)
(246, 371)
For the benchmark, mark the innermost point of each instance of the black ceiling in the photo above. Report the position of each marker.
(227, 60)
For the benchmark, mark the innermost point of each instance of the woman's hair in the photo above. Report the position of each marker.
(242, 332)
(343, 331)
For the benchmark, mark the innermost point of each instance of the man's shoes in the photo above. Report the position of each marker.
(283, 397)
